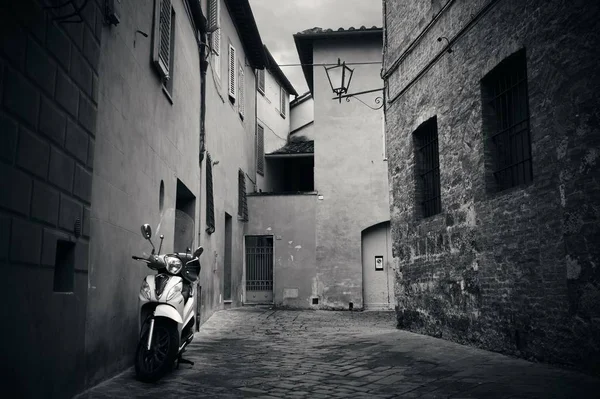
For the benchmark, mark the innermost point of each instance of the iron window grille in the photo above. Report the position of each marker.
(506, 124)
(242, 199)
(210, 206)
(260, 150)
(427, 157)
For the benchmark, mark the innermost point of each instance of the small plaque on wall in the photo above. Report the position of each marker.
(378, 262)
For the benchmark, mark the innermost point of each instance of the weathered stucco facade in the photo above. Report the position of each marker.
(516, 270)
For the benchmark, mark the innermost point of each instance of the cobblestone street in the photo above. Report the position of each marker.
(263, 353)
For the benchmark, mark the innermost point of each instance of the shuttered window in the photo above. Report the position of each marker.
(241, 105)
(214, 22)
(232, 74)
(261, 81)
(242, 200)
(162, 40)
(260, 150)
(210, 206)
(282, 101)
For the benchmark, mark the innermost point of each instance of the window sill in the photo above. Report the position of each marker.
(167, 94)
(282, 115)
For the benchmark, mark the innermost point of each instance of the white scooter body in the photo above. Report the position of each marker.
(172, 308)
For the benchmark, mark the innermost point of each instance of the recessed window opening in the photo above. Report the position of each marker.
(315, 301)
(506, 124)
(64, 266)
(427, 168)
(161, 196)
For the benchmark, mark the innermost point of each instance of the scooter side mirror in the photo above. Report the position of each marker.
(146, 231)
(198, 252)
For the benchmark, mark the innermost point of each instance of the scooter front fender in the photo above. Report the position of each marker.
(169, 312)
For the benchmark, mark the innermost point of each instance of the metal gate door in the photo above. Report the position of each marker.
(259, 269)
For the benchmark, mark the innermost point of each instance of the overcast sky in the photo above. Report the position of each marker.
(278, 20)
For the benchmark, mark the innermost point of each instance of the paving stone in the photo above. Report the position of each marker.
(236, 358)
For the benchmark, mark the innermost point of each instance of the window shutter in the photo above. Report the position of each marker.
(260, 150)
(261, 81)
(210, 206)
(232, 73)
(282, 101)
(241, 105)
(242, 200)
(162, 36)
(214, 23)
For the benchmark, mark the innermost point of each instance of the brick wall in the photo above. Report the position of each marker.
(514, 271)
(48, 86)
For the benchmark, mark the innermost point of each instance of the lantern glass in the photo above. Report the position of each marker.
(339, 77)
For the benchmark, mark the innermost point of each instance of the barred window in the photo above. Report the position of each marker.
(242, 200)
(506, 124)
(210, 206)
(260, 150)
(427, 168)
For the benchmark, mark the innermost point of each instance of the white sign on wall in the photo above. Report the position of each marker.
(378, 262)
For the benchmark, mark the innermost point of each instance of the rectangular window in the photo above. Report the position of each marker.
(210, 206)
(506, 124)
(283, 97)
(241, 104)
(161, 37)
(214, 25)
(261, 81)
(427, 168)
(242, 200)
(232, 74)
(260, 150)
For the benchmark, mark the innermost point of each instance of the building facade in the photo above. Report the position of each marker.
(492, 140)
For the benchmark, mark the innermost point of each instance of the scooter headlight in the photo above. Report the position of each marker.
(175, 290)
(174, 265)
(145, 291)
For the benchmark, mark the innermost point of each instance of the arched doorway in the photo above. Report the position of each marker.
(378, 277)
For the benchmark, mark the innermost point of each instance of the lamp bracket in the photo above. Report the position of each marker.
(378, 99)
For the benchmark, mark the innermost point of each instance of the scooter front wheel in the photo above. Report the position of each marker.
(153, 364)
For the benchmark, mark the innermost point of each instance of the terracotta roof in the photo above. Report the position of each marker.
(296, 147)
(304, 43)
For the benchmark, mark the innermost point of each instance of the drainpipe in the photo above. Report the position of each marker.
(203, 68)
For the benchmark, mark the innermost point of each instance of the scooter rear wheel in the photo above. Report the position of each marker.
(151, 365)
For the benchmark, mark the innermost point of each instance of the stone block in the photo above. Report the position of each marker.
(67, 94)
(40, 67)
(85, 230)
(8, 138)
(83, 184)
(70, 211)
(12, 40)
(59, 45)
(44, 205)
(77, 141)
(81, 72)
(15, 187)
(91, 48)
(49, 246)
(4, 236)
(33, 153)
(91, 148)
(21, 97)
(61, 170)
(53, 122)
(87, 114)
(26, 242)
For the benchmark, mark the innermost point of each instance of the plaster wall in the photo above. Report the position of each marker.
(513, 271)
(276, 127)
(48, 104)
(300, 115)
(230, 140)
(350, 171)
(142, 139)
(291, 221)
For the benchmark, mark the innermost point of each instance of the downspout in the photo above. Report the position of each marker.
(203, 68)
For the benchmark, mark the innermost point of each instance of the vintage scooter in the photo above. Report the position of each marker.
(167, 300)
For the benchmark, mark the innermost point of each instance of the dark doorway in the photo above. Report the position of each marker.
(185, 202)
(227, 259)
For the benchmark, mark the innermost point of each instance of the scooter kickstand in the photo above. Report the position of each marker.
(184, 361)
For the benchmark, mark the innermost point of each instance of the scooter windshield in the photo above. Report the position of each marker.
(178, 230)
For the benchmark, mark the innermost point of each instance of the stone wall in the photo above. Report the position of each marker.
(48, 104)
(514, 271)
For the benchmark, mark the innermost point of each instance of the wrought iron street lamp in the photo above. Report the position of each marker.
(339, 77)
